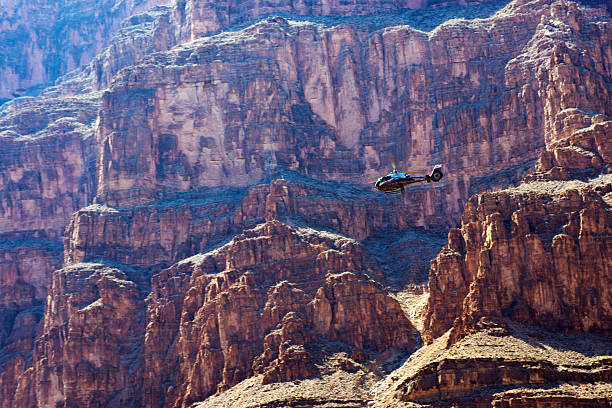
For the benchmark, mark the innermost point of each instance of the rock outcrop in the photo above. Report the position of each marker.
(529, 254)
(541, 252)
(527, 368)
(169, 230)
(87, 353)
(259, 305)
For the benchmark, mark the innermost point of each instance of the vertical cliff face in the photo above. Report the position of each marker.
(87, 353)
(194, 125)
(531, 255)
(550, 232)
(46, 173)
(45, 39)
(261, 305)
(166, 231)
(230, 171)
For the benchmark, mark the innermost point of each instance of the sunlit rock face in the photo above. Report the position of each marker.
(265, 133)
(524, 367)
(226, 109)
(539, 254)
(260, 305)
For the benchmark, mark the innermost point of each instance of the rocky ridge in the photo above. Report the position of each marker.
(155, 209)
(266, 303)
(528, 368)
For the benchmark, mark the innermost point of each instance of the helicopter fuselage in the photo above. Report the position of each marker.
(395, 181)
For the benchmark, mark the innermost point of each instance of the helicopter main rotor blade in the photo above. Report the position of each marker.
(393, 162)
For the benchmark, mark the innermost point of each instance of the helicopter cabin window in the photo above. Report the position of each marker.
(385, 178)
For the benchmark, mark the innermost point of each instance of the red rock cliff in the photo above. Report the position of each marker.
(43, 40)
(258, 305)
(220, 113)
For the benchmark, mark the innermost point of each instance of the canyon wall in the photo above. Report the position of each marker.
(538, 253)
(43, 40)
(193, 124)
(219, 225)
(544, 246)
(261, 305)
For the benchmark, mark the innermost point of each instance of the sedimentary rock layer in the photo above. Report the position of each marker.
(88, 350)
(232, 107)
(522, 367)
(174, 158)
(261, 305)
(184, 224)
(539, 253)
(45, 39)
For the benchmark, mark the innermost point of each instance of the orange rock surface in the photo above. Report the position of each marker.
(261, 304)
(207, 176)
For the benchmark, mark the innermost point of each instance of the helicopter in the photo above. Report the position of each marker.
(394, 182)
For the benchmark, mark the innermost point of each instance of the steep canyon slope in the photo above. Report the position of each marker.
(42, 40)
(199, 189)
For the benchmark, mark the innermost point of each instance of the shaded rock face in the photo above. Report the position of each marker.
(167, 231)
(45, 39)
(24, 280)
(258, 305)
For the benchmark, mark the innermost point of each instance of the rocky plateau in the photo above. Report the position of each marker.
(186, 216)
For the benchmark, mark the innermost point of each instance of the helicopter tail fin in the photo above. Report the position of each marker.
(436, 173)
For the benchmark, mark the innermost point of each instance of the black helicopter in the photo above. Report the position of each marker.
(395, 181)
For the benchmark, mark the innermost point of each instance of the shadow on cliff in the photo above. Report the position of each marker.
(423, 19)
(584, 344)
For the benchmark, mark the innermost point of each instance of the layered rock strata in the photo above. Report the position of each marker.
(330, 101)
(169, 230)
(539, 253)
(103, 38)
(46, 173)
(47, 165)
(87, 353)
(260, 304)
(45, 39)
(527, 368)
(203, 135)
